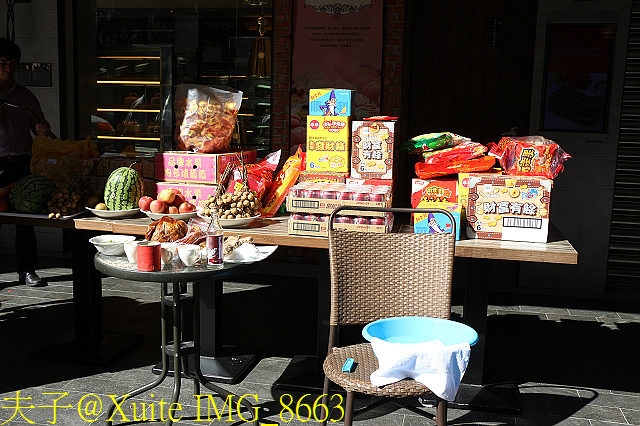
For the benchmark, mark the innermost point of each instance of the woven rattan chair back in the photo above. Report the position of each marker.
(377, 276)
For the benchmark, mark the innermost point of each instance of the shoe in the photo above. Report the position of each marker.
(31, 279)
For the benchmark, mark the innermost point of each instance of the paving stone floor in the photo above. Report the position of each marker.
(574, 359)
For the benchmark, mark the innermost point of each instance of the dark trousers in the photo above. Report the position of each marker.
(26, 244)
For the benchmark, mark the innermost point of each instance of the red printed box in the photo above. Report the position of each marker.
(309, 176)
(194, 193)
(196, 167)
(443, 190)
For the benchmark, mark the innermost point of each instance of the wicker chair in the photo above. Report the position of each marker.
(377, 276)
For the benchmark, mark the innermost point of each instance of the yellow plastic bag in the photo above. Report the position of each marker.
(61, 161)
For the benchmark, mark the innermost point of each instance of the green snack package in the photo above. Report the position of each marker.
(432, 142)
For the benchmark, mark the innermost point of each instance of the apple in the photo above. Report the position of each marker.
(157, 206)
(176, 190)
(167, 195)
(4, 205)
(4, 192)
(173, 210)
(187, 207)
(145, 203)
(178, 200)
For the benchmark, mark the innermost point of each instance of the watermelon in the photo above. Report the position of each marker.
(31, 194)
(123, 189)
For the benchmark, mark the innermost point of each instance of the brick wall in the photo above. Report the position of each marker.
(392, 57)
(281, 90)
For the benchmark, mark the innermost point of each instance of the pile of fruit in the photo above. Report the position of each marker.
(64, 203)
(241, 204)
(169, 201)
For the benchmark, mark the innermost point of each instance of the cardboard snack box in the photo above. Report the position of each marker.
(310, 176)
(328, 144)
(372, 149)
(334, 102)
(432, 223)
(320, 228)
(196, 194)
(197, 167)
(512, 208)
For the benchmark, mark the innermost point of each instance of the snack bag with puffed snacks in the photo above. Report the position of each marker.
(259, 175)
(529, 156)
(285, 179)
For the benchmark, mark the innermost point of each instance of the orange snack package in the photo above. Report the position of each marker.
(529, 156)
(259, 175)
(285, 179)
(427, 171)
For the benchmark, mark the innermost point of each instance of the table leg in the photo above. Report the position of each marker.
(87, 343)
(218, 363)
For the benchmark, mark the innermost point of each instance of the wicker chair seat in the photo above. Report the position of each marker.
(359, 380)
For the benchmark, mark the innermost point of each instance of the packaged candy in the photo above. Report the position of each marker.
(529, 156)
(427, 171)
(205, 118)
(433, 142)
(285, 179)
(464, 151)
(259, 175)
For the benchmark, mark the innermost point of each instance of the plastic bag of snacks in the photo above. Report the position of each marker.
(480, 164)
(464, 151)
(259, 175)
(61, 161)
(432, 142)
(205, 117)
(285, 179)
(529, 156)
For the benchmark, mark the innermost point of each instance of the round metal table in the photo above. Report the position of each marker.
(207, 292)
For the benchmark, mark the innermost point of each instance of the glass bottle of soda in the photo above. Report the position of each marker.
(215, 236)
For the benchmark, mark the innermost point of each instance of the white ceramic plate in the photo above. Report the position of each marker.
(113, 214)
(179, 216)
(265, 251)
(232, 223)
(111, 244)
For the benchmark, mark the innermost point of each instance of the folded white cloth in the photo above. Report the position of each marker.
(245, 252)
(433, 364)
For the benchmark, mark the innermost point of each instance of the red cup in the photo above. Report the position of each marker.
(342, 219)
(149, 256)
(311, 193)
(312, 218)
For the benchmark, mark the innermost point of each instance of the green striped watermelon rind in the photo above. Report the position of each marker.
(123, 189)
(36, 186)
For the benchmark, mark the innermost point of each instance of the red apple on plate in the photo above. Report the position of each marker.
(145, 202)
(157, 206)
(4, 205)
(179, 199)
(176, 190)
(187, 208)
(167, 195)
(173, 210)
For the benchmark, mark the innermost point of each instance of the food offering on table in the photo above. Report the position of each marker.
(286, 178)
(529, 156)
(166, 229)
(372, 147)
(170, 201)
(205, 117)
(111, 245)
(242, 204)
(257, 177)
(123, 189)
(64, 202)
(31, 194)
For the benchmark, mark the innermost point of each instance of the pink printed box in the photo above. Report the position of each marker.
(194, 193)
(196, 167)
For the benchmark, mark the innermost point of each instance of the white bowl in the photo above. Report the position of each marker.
(178, 216)
(231, 223)
(113, 214)
(111, 244)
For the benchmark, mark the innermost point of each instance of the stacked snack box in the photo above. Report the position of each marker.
(441, 193)
(328, 130)
(311, 203)
(372, 152)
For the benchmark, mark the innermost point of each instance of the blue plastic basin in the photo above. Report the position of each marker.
(420, 329)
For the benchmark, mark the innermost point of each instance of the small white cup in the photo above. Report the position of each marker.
(189, 253)
(167, 251)
(131, 249)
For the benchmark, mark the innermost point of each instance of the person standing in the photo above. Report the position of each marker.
(16, 128)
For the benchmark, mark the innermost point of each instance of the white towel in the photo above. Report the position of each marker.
(433, 364)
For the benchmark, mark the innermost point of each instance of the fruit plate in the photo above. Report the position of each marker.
(113, 214)
(232, 223)
(179, 216)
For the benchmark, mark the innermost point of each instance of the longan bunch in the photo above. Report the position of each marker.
(240, 204)
(63, 203)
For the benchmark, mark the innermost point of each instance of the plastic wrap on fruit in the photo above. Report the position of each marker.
(432, 142)
(205, 117)
(464, 151)
(529, 156)
(426, 171)
(259, 175)
(285, 179)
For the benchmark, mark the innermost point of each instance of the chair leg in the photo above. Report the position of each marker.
(325, 401)
(348, 409)
(441, 412)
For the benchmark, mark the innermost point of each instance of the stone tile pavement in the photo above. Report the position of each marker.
(574, 359)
